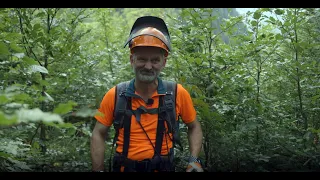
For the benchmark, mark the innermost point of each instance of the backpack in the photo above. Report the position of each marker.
(166, 110)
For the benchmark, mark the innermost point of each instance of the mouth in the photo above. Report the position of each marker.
(148, 73)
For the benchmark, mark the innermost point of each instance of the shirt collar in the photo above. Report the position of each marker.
(131, 90)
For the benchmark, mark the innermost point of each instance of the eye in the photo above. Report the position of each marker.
(155, 60)
(142, 60)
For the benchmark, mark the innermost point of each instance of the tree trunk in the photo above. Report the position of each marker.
(303, 115)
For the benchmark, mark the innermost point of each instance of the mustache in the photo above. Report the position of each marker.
(146, 71)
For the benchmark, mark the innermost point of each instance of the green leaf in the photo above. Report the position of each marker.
(20, 164)
(29, 60)
(254, 23)
(272, 19)
(278, 36)
(41, 14)
(65, 125)
(35, 115)
(41, 36)
(21, 97)
(36, 27)
(7, 120)
(5, 155)
(220, 60)
(16, 48)
(71, 131)
(287, 23)
(64, 108)
(256, 15)
(60, 125)
(13, 36)
(13, 88)
(36, 145)
(4, 49)
(38, 68)
(314, 98)
(34, 33)
(198, 61)
(42, 98)
(86, 112)
(279, 11)
(3, 99)
(44, 83)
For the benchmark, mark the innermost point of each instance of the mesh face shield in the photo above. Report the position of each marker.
(149, 31)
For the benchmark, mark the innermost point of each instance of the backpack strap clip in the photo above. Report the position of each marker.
(168, 104)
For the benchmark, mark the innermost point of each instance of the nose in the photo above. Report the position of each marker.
(148, 65)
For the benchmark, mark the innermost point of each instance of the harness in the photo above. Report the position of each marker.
(122, 119)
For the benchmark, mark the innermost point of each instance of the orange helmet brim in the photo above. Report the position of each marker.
(147, 40)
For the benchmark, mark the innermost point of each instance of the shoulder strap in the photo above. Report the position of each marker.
(120, 104)
(170, 105)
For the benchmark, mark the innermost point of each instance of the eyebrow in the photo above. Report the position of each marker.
(151, 57)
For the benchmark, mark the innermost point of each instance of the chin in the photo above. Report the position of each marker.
(147, 80)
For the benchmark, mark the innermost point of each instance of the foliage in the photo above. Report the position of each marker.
(254, 80)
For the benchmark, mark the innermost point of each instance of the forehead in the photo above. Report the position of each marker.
(148, 51)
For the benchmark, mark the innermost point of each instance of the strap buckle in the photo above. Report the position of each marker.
(169, 93)
(168, 104)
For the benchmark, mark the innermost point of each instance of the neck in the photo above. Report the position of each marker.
(145, 89)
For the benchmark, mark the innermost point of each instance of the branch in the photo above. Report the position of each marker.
(312, 157)
(285, 67)
(35, 133)
(73, 21)
(51, 62)
(24, 38)
(272, 52)
(85, 16)
(292, 152)
(250, 73)
(35, 56)
(54, 14)
(33, 11)
(226, 29)
(290, 36)
(21, 30)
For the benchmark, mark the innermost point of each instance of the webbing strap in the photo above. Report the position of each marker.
(126, 130)
(120, 109)
(143, 110)
(160, 129)
(166, 112)
(170, 101)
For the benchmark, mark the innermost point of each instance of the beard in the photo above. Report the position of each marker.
(146, 76)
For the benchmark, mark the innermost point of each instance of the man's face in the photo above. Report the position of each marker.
(147, 62)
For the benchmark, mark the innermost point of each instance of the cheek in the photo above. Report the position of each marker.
(137, 66)
(158, 67)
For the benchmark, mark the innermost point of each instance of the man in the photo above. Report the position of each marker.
(145, 136)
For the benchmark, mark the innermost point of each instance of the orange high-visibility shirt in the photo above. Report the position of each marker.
(140, 147)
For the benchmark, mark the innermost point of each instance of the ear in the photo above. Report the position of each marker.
(131, 59)
(164, 61)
